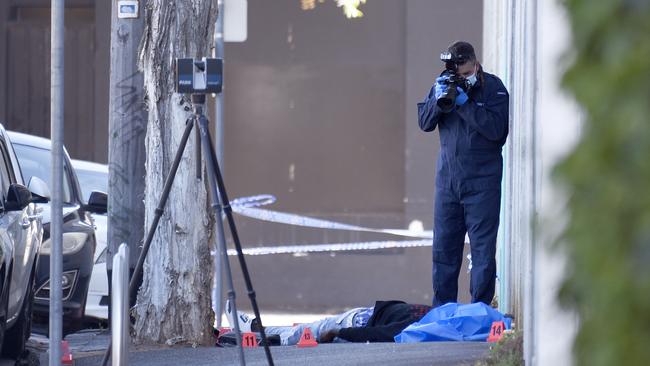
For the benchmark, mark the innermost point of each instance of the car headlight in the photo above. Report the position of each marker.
(72, 243)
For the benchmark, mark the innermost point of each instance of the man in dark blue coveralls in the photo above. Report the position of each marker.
(468, 173)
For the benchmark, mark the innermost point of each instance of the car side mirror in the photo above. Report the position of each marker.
(18, 197)
(39, 189)
(98, 202)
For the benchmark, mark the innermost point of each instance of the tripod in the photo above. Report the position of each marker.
(219, 203)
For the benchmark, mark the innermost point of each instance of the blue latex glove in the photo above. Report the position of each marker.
(462, 97)
(441, 87)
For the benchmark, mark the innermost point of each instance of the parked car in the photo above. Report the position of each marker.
(94, 177)
(21, 235)
(79, 243)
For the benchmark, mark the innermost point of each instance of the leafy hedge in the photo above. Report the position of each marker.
(608, 177)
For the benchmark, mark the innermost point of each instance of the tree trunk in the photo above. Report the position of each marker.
(174, 300)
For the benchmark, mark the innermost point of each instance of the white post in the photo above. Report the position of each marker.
(120, 307)
(56, 223)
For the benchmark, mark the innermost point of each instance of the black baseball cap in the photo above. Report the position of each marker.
(462, 52)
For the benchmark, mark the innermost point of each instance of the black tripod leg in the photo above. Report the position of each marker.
(137, 273)
(136, 279)
(203, 125)
(198, 154)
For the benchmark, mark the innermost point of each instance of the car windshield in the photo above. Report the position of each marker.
(91, 180)
(36, 162)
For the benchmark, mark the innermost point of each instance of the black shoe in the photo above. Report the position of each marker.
(255, 325)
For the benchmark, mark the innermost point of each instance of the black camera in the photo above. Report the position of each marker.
(447, 100)
(199, 76)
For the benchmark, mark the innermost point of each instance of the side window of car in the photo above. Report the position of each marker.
(68, 190)
(4, 184)
(17, 171)
(5, 174)
(67, 182)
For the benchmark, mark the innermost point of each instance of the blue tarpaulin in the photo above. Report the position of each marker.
(453, 322)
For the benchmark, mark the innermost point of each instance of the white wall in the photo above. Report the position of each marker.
(523, 41)
(558, 129)
(509, 50)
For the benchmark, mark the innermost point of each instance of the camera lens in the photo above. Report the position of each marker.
(447, 100)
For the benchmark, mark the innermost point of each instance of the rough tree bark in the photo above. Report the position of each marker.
(174, 300)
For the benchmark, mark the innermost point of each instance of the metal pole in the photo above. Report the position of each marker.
(120, 305)
(217, 293)
(56, 223)
(219, 51)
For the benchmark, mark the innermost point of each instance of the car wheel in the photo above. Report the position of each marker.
(16, 337)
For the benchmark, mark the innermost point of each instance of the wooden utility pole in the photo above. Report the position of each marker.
(127, 126)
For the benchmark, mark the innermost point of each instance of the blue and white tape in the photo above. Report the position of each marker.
(340, 247)
(247, 206)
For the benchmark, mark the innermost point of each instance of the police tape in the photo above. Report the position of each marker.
(253, 201)
(340, 247)
(248, 206)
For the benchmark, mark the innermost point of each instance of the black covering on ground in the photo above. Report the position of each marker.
(388, 320)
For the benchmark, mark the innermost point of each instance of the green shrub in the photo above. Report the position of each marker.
(608, 181)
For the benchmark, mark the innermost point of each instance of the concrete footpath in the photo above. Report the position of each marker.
(447, 353)
(88, 346)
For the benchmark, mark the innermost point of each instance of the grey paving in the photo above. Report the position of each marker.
(88, 346)
(448, 353)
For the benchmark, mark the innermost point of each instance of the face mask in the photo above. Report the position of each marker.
(472, 78)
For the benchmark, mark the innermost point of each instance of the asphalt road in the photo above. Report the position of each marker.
(447, 353)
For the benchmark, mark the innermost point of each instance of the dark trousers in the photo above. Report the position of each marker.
(475, 212)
